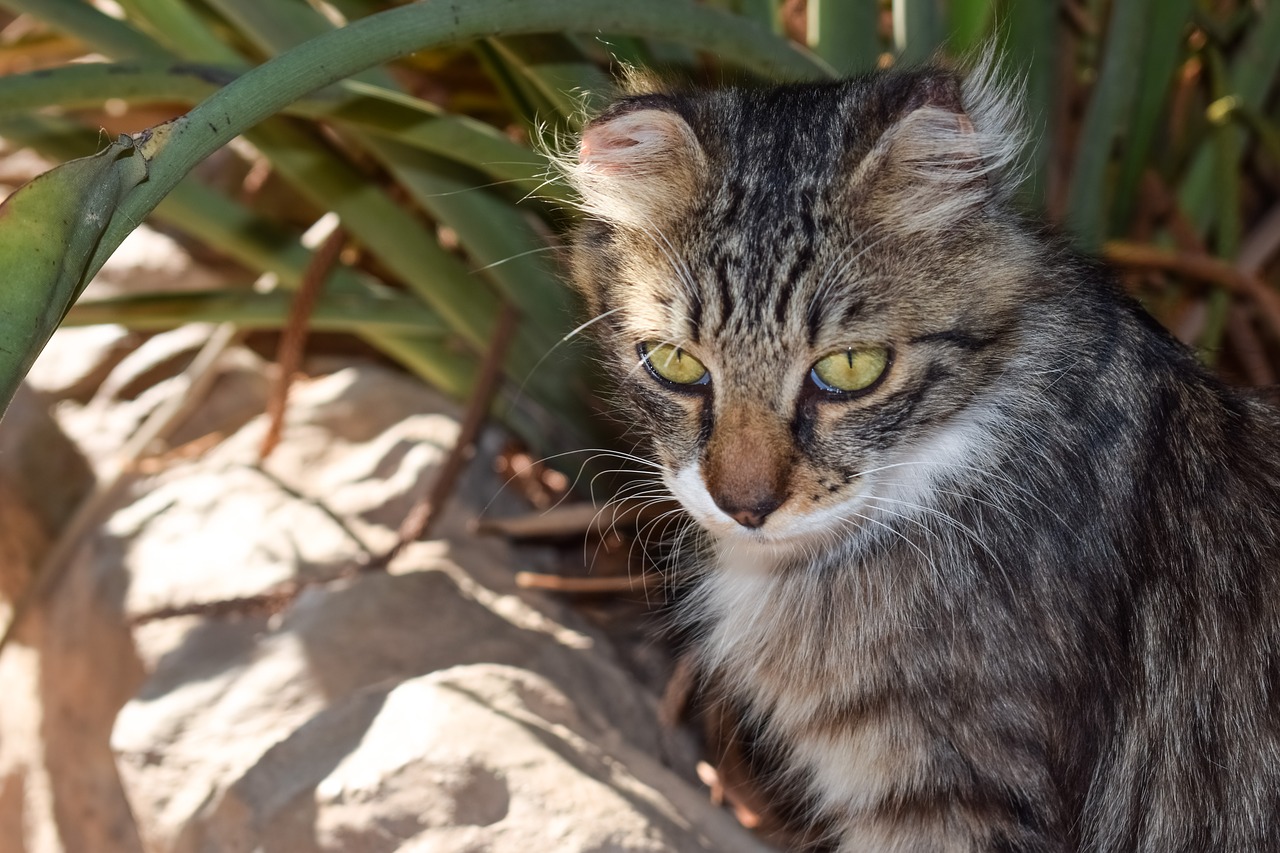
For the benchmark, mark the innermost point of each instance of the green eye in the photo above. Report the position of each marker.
(851, 369)
(673, 364)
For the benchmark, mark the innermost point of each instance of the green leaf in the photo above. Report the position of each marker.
(357, 106)
(1027, 42)
(763, 12)
(970, 22)
(174, 23)
(48, 231)
(263, 246)
(173, 149)
(1253, 71)
(557, 71)
(1162, 50)
(919, 27)
(1107, 119)
(845, 33)
(321, 61)
(86, 23)
(333, 312)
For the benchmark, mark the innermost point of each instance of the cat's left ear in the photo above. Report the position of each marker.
(949, 152)
(638, 166)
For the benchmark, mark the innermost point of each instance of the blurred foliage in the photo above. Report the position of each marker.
(1154, 138)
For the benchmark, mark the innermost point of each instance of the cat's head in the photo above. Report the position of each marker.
(803, 289)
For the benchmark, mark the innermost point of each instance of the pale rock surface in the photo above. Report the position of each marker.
(147, 378)
(479, 757)
(77, 360)
(433, 707)
(71, 666)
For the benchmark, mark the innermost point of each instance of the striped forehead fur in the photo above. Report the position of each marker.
(952, 156)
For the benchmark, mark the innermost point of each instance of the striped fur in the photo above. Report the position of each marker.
(1019, 596)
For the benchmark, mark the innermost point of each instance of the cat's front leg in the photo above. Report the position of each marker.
(948, 825)
(901, 785)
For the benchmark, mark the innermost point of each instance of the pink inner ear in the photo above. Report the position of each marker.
(587, 151)
(630, 142)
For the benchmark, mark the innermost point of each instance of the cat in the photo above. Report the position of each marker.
(989, 556)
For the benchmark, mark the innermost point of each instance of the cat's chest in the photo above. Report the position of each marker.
(806, 634)
(815, 659)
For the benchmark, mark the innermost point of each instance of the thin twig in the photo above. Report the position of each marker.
(1248, 346)
(293, 339)
(1199, 267)
(1165, 206)
(1240, 318)
(577, 519)
(1261, 244)
(150, 465)
(588, 586)
(268, 603)
(419, 519)
(1079, 18)
(1064, 130)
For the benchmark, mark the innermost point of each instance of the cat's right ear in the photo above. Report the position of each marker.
(638, 167)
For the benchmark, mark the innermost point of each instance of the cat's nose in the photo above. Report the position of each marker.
(747, 462)
(754, 516)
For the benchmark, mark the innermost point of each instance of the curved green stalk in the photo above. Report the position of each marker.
(845, 33)
(263, 91)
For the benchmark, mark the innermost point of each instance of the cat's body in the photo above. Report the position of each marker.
(1018, 586)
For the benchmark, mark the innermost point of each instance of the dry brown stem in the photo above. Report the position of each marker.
(293, 339)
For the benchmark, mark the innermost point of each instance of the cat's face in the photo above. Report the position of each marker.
(800, 294)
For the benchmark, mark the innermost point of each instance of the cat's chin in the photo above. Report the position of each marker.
(752, 549)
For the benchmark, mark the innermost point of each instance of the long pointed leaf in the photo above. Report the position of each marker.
(845, 33)
(359, 106)
(1162, 49)
(174, 148)
(1253, 71)
(91, 26)
(1106, 119)
(1028, 42)
(336, 312)
(49, 229)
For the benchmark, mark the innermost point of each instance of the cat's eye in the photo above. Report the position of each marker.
(850, 370)
(673, 364)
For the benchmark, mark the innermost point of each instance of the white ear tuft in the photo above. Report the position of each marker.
(952, 152)
(637, 168)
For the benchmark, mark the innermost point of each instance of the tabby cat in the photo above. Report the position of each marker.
(989, 556)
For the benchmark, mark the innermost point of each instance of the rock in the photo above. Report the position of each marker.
(479, 757)
(69, 668)
(148, 377)
(39, 463)
(432, 706)
(19, 165)
(75, 361)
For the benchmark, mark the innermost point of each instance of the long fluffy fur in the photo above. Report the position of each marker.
(1021, 595)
